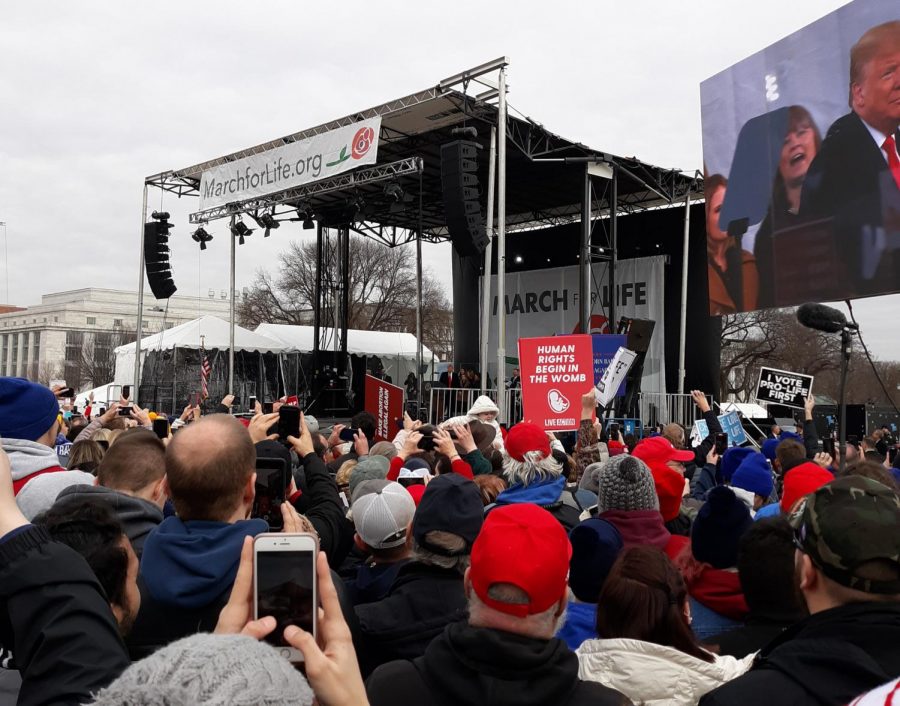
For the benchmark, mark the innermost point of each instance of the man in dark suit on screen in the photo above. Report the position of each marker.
(857, 169)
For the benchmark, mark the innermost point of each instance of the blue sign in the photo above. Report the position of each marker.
(731, 425)
(605, 347)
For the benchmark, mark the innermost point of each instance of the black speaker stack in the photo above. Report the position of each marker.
(156, 256)
(462, 205)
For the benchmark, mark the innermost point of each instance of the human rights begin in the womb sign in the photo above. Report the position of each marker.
(556, 372)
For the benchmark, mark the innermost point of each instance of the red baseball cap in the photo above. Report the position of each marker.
(525, 437)
(659, 449)
(802, 480)
(522, 545)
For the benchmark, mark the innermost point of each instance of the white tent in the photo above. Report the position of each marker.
(208, 332)
(396, 350)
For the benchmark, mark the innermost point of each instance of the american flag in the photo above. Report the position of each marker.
(205, 369)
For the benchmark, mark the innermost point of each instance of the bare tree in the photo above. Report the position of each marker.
(96, 363)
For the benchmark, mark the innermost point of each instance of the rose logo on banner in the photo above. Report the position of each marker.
(362, 141)
(557, 401)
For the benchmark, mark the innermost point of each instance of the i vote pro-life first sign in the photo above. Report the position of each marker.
(783, 387)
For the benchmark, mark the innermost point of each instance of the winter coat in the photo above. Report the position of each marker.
(751, 637)
(372, 581)
(55, 618)
(580, 625)
(550, 494)
(830, 657)
(321, 503)
(422, 601)
(139, 517)
(187, 571)
(655, 675)
(28, 459)
(473, 666)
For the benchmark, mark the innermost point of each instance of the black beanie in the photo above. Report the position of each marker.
(718, 528)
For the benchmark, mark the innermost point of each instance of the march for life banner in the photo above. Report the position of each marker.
(384, 402)
(291, 165)
(545, 302)
(556, 371)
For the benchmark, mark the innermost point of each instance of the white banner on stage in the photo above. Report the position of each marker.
(545, 302)
(298, 163)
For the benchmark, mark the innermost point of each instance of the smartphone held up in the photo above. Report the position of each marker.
(285, 586)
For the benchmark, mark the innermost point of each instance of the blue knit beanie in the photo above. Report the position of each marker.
(732, 458)
(596, 544)
(755, 475)
(789, 435)
(720, 523)
(769, 447)
(27, 410)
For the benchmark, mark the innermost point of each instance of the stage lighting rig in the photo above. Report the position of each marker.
(305, 214)
(241, 231)
(201, 236)
(266, 220)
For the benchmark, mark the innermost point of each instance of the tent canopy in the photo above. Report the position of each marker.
(208, 332)
(381, 343)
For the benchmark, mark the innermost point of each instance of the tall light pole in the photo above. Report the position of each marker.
(5, 261)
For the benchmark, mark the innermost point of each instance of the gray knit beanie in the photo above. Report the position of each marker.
(209, 669)
(368, 468)
(625, 483)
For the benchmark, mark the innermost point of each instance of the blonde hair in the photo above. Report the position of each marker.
(342, 477)
(868, 47)
(107, 435)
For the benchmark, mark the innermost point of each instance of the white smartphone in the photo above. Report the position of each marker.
(285, 586)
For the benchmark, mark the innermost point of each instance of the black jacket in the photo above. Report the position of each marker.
(705, 446)
(845, 182)
(468, 665)
(56, 620)
(752, 636)
(321, 503)
(828, 658)
(423, 600)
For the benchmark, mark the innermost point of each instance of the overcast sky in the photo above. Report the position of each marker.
(96, 96)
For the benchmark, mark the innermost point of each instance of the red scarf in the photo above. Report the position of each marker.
(721, 592)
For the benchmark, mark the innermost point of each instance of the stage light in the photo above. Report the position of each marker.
(240, 230)
(393, 190)
(266, 220)
(201, 236)
(308, 223)
(518, 259)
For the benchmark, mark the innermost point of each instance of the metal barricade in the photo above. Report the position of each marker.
(663, 408)
(446, 402)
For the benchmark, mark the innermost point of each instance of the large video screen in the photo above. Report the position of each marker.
(801, 165)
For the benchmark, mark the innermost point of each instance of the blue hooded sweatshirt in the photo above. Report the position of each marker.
(581, 624)
(541, 493)
(190, 564)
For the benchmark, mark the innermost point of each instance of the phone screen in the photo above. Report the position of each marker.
(125, 411)
(288, 422)
(126, 391)
(721, 443)
(348, 434)
(828, 446)
(251, 403)
(284, 590)
(271, 483)
(267, 408)
(161, 427)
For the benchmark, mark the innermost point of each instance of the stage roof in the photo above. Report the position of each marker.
(413, 128)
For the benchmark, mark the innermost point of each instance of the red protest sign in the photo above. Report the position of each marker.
(384, 402)
(556, 371)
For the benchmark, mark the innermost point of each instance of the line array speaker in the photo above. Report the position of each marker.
(462, 207)
(156, 258)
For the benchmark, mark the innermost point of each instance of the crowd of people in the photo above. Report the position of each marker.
(460, 563)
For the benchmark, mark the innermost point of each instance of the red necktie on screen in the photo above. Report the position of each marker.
(890, 146)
